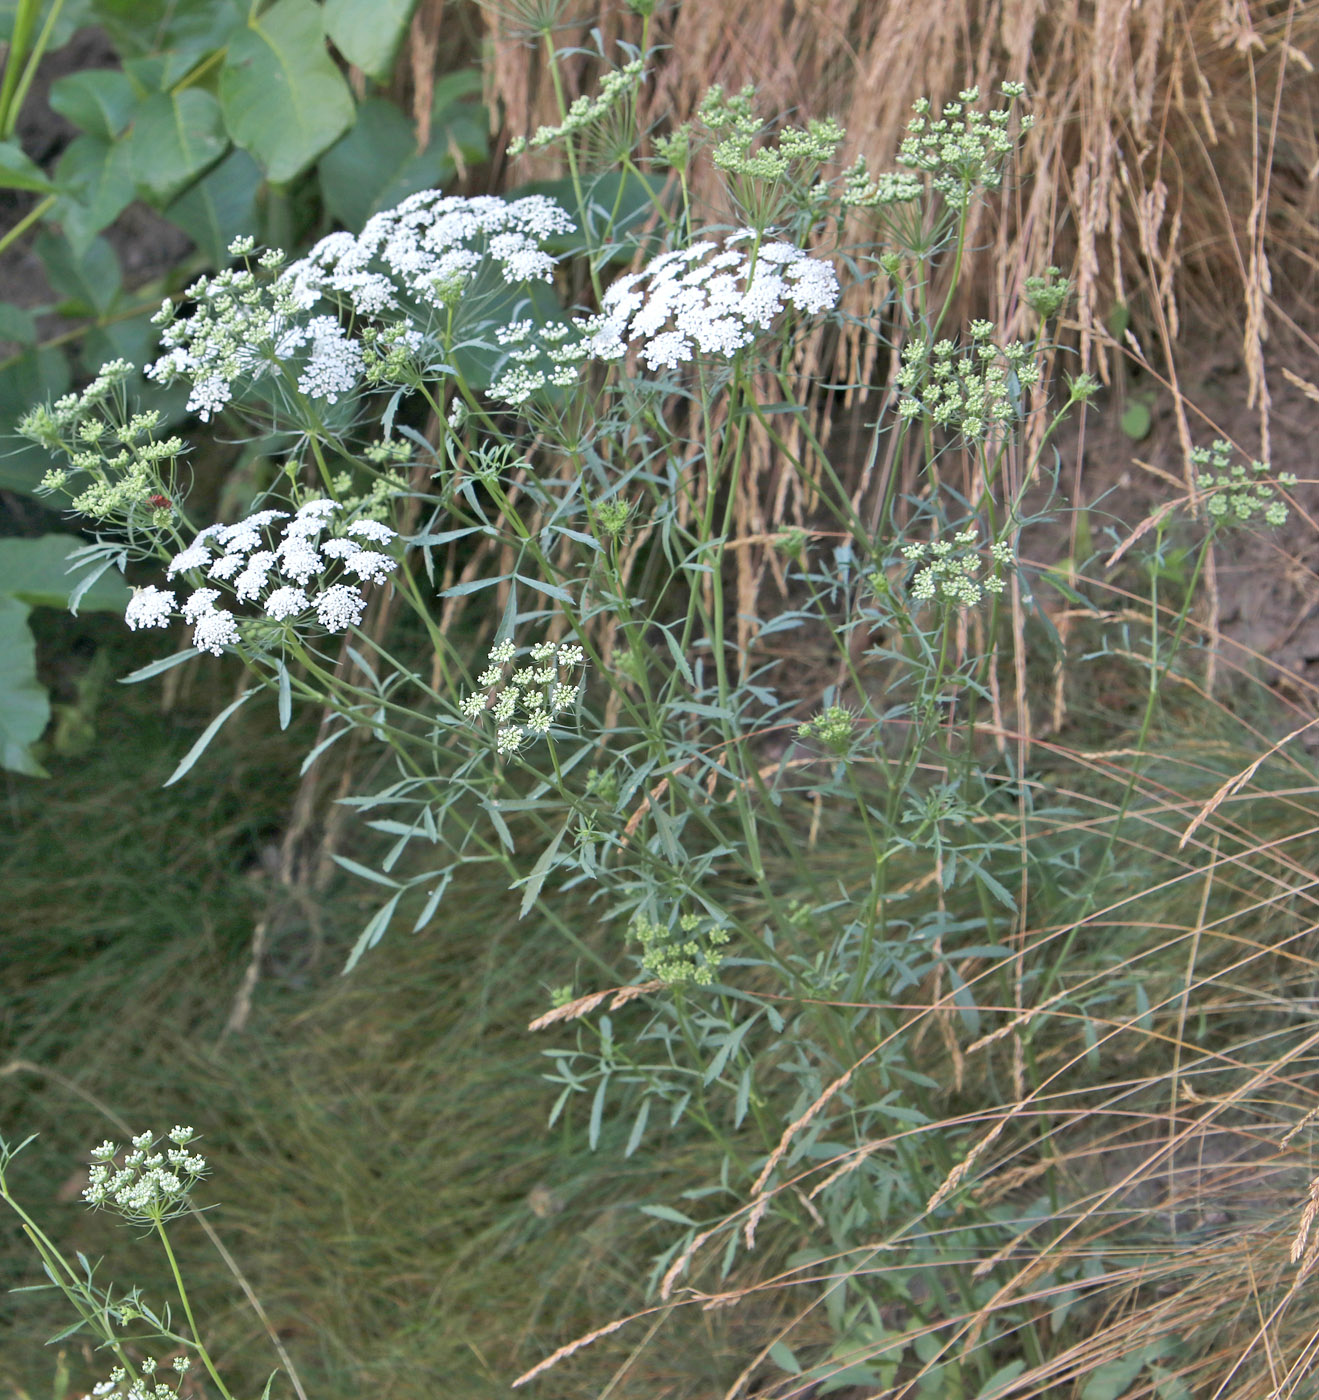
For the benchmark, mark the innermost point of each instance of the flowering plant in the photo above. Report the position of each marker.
(472, 397)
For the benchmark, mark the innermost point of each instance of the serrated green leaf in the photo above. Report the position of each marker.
(207, 734)
(18, 172)
(368, 32)
(96, 185)
(24, 708)
(283, 98)
(176, 136)
(221, 206)
(36, 571)
(98, 101)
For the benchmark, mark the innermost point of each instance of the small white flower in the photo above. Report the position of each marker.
(340, 549)
(226, 566)
(214, 631)
(373, 530)
(318, 508)
(196, 556)
(509, 740)
(252, 580)
(298, 560)
(286, 602)
(149, 607)
(369, 566)
(474, 705)
(335, 363)
(201, 602)
(340, 607)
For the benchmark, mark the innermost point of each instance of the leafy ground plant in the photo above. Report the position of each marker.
(476, 407)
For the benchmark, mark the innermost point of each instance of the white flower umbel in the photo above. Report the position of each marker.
(427, 250)
(145, 1185)
(533, 695)
(305, 573)
(711, 299)
(149, 607)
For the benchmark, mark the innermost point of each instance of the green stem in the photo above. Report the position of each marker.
(187, 1309)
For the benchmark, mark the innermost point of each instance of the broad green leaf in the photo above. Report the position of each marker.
(1113, 1379)
(284, 100)
(377, 165)
(135, 340)
(368, 32)
(176, 136)
(99, 101)
(1137, 420)
(36, 572)
(96, 183)
(184, 30)
(17, 324)
(220, 206)
(89, 281)
(18, 172)
(24, 708)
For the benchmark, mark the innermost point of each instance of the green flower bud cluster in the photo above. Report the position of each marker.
(860, 191)
(1044, 296)
(124, 471)
(833, 727)
(675, 149)
(967, 389)
(953, 571)
(384, 451)
(686, 955)
(962, 149)
(612, 516)
(585, 112)
(1236, 494)
(796, 151)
